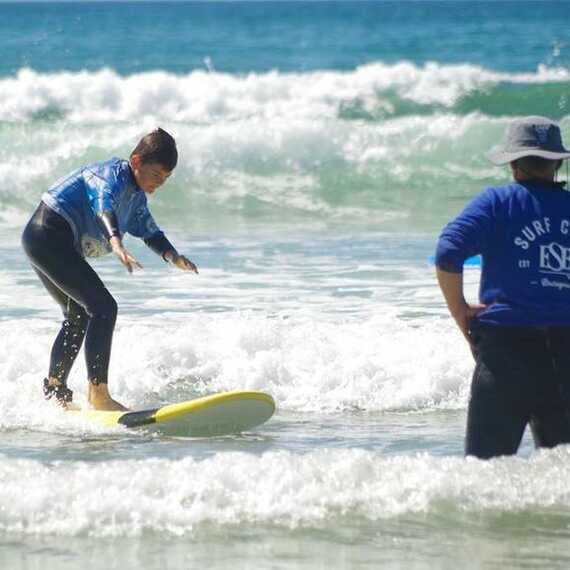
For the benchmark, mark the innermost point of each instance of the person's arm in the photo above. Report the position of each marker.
(110, 227)
(451, 285)
(102, 203)
(180, 261)
(125, 257)
(159, 243)
(464, 237)
(144, 226)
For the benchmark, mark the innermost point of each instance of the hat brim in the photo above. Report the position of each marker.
(499, 156)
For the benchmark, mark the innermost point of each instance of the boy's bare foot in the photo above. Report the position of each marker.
(100, 399)
(53, 387)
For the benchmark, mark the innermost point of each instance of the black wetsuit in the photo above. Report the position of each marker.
(522, 376)
(89, 309)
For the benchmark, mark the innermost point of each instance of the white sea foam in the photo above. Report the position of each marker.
(317, 490)
(203, 96)
(324, 146)
(301, 169)
(267, 163)
(307, 365)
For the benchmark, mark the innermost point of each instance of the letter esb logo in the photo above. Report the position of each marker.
(555, 258)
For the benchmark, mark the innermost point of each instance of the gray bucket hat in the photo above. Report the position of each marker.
(530, 136)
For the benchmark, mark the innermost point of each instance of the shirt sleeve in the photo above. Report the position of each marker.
(143, 225)
(101, 193)
(467, 235)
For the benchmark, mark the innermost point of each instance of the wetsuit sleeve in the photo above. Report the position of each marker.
(108, 223)
(466, 235)
(159, 244)
(144, 226)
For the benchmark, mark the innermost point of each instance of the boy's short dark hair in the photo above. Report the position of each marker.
(158, 147)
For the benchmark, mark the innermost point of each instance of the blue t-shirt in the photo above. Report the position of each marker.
(522, 232)
(107, 185)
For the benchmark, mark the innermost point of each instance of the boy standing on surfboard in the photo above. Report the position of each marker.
(86, 214)
(520, 333)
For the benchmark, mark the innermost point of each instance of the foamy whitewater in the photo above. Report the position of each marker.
(322, 148)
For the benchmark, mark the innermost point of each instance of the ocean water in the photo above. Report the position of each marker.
(322, 147)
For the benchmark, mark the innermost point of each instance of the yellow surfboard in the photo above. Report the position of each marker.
(219, 414)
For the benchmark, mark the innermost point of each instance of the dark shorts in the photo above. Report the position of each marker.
(522, 376)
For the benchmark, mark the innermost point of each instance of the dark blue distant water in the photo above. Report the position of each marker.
(238, 37)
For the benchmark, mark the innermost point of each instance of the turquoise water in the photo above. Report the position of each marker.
(323, 146)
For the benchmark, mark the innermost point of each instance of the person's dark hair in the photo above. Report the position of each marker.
(157, 147)
(537, 164)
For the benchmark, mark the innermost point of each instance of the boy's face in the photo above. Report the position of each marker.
(149, 176)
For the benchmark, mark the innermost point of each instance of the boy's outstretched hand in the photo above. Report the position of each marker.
(180, 261)
(124, 256)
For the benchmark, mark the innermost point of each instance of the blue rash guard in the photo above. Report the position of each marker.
(93, 189)
(522, 232)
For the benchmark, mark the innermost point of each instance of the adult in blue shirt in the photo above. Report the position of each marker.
(86, 214)
(519, 331)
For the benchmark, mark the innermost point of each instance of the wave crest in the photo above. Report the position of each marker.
(371, 92)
